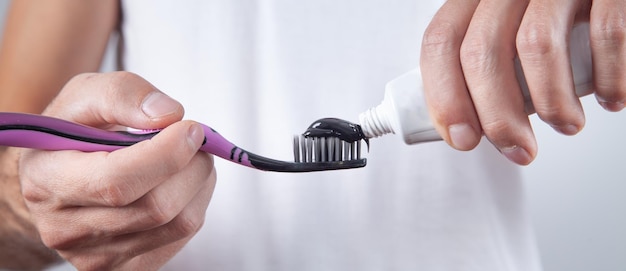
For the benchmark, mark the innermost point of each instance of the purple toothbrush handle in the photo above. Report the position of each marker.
(47, 133)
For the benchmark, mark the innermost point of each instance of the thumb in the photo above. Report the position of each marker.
(105, 100)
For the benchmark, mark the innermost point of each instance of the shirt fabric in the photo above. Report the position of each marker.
(259, 72)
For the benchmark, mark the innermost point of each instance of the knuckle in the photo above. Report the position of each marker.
(51, 240)
(186, 225)
(81, 77)
(441, 39)
(475, 51)
(120, 78)
(57, 239)
(156, 211)
(608, 30)
(34, 193)
(534, 41)
(114, 195)
(119, 81)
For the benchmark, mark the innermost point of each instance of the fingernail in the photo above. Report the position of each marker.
(462, 136)
(612, 106)
(516, 155)
(158, 105)
(195, 136)
(568, 129)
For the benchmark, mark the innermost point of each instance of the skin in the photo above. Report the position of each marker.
(131, 209)
(139, 206)
(469, 80)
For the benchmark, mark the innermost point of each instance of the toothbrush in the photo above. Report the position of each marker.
(47, 133)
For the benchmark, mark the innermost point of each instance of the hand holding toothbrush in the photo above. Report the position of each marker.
(132, 208)
(467, 63)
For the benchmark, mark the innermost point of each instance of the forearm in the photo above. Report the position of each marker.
(46, 43)
(20, 245)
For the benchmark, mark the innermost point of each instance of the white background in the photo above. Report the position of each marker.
(576, 191)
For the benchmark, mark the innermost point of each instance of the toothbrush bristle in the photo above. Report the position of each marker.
(324, 149)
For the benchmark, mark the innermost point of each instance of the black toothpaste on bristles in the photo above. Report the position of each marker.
(329, 140)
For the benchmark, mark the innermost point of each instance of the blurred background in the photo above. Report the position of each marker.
(576, 190)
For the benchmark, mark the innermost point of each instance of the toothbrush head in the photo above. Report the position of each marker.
(330, 143)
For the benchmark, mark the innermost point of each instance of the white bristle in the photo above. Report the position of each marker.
(313, 150)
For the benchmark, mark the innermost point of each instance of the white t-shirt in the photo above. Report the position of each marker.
(259, 71)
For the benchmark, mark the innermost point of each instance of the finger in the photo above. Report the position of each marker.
(110, 179)
(186, 224)
(103, 100)
(447, 97)
(542, 45)
(608, 38)
(158, 207)
(164, 241)
(155, 259)
(487, 58)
